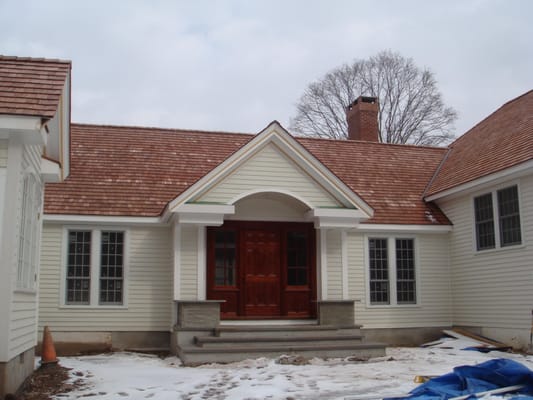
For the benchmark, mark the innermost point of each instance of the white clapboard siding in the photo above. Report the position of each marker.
(433, 286)
(492, 288)
(148, 286)
(23, 316)
(268, 169)
(189, 263)
(334, 269)
(3, 153)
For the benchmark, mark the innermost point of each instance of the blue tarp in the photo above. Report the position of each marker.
(465, 380)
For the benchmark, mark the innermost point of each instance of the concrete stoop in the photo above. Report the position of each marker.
(236, 343)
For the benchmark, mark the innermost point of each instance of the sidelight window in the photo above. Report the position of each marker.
(297, 258)
(225, 257)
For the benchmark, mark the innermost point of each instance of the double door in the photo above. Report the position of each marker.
(262, 270)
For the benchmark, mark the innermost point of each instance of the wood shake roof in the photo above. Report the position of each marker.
(502, 140)
(31, 86)
(130, 171)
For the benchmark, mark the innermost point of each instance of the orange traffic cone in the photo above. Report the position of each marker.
(48, 351)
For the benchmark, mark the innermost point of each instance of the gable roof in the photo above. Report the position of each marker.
(31, 86)
(502, 140)
(132, 171)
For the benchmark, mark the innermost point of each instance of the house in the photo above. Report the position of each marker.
(222, 245)
(34, 144)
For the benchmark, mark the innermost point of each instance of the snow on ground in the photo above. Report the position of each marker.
(132, 376)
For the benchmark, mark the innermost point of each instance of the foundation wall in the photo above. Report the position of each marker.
(14, 372)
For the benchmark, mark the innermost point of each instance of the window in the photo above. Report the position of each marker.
(391, 263)
(111, 267)
(297, 258)
(79, 267)
(95, 267)
(503, 203)
(379, 271)
(29, 233)
(225, 258)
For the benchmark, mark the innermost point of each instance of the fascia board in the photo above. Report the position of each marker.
(517, 171)
(404, 228)
(50, 171)
(101, 219)
(26, 129)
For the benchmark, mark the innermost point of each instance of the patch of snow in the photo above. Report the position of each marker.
(133, 376)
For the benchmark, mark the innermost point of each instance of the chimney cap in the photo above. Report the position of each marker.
(363, 99)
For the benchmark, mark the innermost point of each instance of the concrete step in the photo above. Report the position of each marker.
(276, 341)
(195, 355)
(294, 331)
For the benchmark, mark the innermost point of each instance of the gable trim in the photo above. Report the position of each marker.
(276, 134)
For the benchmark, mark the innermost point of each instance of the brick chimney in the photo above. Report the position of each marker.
(362, 118)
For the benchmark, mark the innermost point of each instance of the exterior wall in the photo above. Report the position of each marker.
(23, 318)
(189, 263)
(266, 170)
(3, 153)
(433, 285)
(18, 302)
(148, 287)
(334, 265)
(492, 289)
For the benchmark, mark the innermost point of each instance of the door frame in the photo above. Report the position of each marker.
(290, 296)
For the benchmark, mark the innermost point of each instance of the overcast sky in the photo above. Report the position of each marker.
(237, 65)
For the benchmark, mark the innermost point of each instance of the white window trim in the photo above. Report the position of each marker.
(96, 233)
(496, 219)
(391, 249)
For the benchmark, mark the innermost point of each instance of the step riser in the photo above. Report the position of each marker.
(288, 344)
(286, 333)
(190, 359)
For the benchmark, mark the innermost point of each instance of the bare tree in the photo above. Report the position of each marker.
(411, 109)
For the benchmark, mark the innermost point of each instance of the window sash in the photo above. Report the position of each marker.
(509, 215)
(111, 268)
(78, 278)
(484, 216)
(379, 271)
(405, 272)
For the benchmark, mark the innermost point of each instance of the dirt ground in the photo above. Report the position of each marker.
(46, 382)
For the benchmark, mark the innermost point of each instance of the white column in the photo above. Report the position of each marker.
(176, 240)
(344, 261)
(323, 264)
(201, 273)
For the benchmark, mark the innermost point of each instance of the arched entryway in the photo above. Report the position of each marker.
(265, 267)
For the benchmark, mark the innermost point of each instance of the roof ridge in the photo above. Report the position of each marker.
(155, 128)
(34, 59)
(506, 104)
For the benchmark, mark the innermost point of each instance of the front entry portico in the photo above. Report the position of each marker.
(262, 270)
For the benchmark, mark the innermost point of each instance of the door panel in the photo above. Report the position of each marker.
(261, 265)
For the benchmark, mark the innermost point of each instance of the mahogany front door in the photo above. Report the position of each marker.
(262, 269)
(260, 255)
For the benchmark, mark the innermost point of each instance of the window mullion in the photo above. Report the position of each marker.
(391, 243)
(95, 267)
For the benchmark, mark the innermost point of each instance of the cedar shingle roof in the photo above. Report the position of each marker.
(390, 178)
(129, 171)
(31, 86)
(502, 140)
